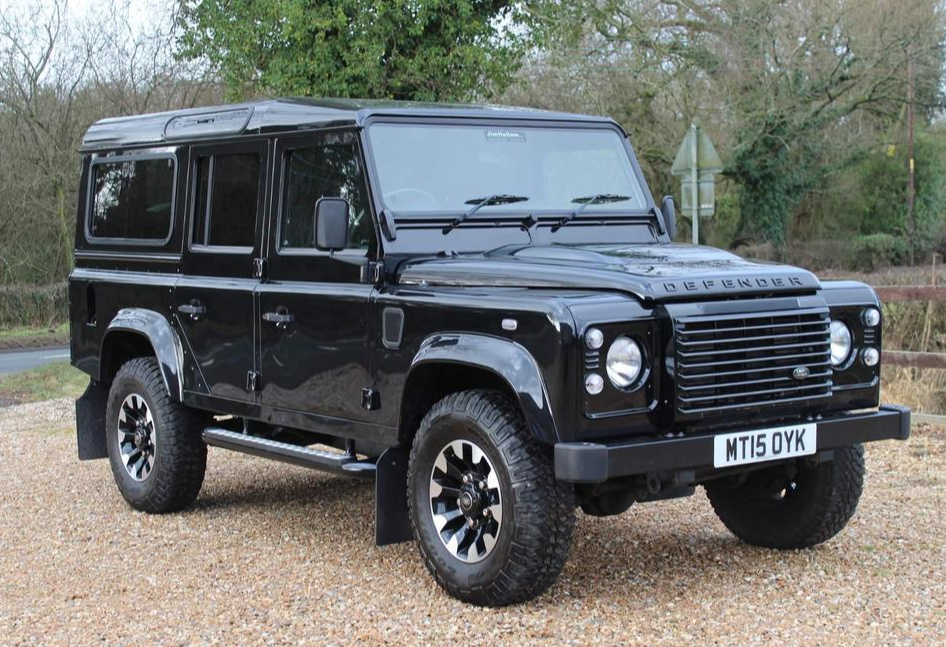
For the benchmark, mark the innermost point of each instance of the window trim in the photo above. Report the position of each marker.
(311, 141)
(256, 147)
(90, 200)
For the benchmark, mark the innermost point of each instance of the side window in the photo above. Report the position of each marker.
(329, 170)
(226, 200)
(132, 200)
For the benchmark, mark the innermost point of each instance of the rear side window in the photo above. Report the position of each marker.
(132, 200)
(226, 200)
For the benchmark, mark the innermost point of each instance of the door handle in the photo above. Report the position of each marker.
(194, 309)
(281, 319)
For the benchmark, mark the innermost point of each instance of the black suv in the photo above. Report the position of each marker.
(478, 307)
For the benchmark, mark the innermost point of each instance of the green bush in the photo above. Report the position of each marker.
(33, 305)
(875, 251)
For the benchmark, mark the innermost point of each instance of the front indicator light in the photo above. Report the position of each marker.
(870, 356)
(594, 339)
(594, 383)
(624, 362)
(871, 317)
(841, 343)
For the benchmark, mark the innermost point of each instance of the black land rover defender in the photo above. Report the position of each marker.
(479, 308)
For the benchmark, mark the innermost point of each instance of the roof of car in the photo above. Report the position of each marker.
(275, 115)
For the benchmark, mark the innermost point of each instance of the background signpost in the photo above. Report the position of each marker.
(698, 163)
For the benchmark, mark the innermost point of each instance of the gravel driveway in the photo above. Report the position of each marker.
(274, 554)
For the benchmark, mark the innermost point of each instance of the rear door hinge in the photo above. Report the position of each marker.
(252, 381)
(259, 268)
(370, 399)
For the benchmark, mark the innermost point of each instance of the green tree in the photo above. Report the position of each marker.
(394, 49)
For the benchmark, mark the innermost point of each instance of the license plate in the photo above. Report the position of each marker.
(761, 445)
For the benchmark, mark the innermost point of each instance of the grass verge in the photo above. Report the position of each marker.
(28, 337)
(56, 380)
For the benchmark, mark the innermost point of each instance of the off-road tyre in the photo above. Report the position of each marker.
(538, 514)
(180, 455)
(818, 507)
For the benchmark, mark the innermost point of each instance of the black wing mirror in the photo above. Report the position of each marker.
(331, 224)
(669, 210)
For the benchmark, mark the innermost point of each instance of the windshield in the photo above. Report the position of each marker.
(430, 169)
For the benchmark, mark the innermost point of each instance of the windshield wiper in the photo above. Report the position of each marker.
(586, 202)
(479, 203)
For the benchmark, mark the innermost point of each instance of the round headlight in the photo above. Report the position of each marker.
(624, 362)
(870, 317)
(594, 339)
(870, 356)
(840, 343)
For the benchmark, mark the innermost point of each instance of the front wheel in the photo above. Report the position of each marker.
(776, 508)
(493, 525)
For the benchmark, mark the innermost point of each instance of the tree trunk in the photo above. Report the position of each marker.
(65, 243)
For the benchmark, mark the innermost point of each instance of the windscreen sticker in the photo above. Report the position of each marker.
(505, 136)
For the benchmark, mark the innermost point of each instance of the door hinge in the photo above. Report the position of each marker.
(259, 268)
(252, 381)
(370, 399)
(372, 272)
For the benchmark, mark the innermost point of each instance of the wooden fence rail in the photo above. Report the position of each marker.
(901, 294)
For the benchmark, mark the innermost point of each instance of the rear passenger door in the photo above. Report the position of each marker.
(214, 300)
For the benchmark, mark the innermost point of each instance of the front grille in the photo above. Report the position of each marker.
(744, 361)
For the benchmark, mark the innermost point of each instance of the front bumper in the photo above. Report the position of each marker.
(597, 463)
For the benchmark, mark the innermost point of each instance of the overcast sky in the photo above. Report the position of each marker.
(141, 13)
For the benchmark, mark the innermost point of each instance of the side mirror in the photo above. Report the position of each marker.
(669, 210)
(331, 224)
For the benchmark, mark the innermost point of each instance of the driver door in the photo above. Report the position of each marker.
(314, 327)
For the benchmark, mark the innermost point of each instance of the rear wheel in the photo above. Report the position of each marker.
(493, 525)
(774, 508)
(155, 450)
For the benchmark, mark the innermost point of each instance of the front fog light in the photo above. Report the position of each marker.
(594, 383)
(625, 361)
(870, 356)
(840, 343)
(871, 317)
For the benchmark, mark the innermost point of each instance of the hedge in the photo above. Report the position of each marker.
(33, 305)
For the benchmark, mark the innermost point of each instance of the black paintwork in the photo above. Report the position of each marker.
(297, 340)
(597, 463)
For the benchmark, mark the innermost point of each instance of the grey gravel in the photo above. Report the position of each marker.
(277, 555)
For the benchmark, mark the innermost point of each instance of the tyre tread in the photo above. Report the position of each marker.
(545, 512)
(183, 458)
(828, 511)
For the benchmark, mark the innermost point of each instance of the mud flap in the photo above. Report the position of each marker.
(392, 518)
(90, 421)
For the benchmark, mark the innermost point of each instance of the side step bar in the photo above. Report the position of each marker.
(287, 453)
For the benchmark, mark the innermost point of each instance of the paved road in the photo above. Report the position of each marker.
(14, 361)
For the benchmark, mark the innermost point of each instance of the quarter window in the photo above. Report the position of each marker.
(132, 199)
(226, 200)
(331, 170)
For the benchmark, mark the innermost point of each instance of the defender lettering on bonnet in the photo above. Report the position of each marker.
(492, 306)
(738, 284)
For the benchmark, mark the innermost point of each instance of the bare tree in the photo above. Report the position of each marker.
(59, 72)
(42, 97)
(136, 70)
